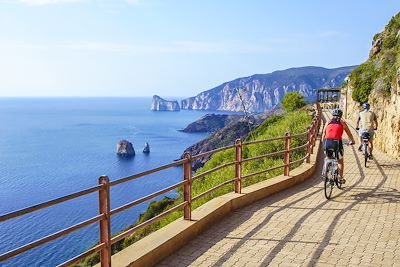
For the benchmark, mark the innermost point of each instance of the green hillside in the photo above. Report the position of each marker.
(378, 74)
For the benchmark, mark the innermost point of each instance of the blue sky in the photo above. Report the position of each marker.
(174, 47)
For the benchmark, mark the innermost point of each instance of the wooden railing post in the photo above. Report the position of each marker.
(238, 166)
(105, 232)
(287, 155)
(187, 187)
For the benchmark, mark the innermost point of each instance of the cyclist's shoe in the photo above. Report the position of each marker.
(359, 148)
(342, 180)
(371, 157)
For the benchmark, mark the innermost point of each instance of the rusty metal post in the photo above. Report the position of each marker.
(187, 187)
(309, 144)
(315, 131)
(105, 232)
(287, 155)
(312, 136)
(238, 166)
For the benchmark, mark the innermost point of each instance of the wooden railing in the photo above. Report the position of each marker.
(104, 185)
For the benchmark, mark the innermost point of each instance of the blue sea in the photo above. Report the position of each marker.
(50, 147)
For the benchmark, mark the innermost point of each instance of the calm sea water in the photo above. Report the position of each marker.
(50, 147)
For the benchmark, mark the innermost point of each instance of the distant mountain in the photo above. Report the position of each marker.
(262, 92)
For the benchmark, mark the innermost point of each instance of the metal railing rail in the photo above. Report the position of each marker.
(83, 255)
(142, 225)
(209, 191)
(143, 199)
(269, 155)
(263, 171)
(17, 213)
(103, 189)
(208, 153)
(264, 141)
(145, 173)
(223, 166)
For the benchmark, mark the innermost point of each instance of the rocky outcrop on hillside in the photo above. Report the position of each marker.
(211, 123)
(383, 84)
(125, 149)
(224, 137)
(239, 128)
(262, 92)
(376, 47)
(160, 104)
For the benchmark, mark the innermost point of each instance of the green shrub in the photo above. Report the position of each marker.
(293, 101)
(362, 80)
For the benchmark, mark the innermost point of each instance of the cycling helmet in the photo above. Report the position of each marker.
(337, 113)
(365, 106)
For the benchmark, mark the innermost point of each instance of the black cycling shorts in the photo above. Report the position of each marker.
(332, 145)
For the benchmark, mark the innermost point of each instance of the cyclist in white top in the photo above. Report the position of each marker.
(367, 122)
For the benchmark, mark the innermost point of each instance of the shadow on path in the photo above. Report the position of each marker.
(296, 227)
(303, 186)
(318, 252)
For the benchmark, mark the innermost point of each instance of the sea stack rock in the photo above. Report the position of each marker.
(146, 148)
(125, 149)
(160, 104)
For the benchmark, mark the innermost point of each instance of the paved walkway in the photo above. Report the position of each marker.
(359, 226)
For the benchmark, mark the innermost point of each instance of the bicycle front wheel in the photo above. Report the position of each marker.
(338, 183)
(328, 182)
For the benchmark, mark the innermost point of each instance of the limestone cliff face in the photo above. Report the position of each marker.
(160, 104)
(383, 79)
(388, 113)
(387, 109)
(262, 92)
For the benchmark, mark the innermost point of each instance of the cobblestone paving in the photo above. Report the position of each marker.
(359, 226)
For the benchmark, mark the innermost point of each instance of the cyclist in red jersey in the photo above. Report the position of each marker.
(332, 137)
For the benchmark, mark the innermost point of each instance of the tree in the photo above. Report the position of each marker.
(293, 101)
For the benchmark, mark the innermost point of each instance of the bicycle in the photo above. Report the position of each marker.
(365, 136)
(330, 172)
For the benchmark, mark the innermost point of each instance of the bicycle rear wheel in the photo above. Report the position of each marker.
(366, 154)
(328, 182)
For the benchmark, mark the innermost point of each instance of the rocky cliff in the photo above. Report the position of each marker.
(211, 123)
(378, 81)
(160, 104)
(262, 92)
(237, 127)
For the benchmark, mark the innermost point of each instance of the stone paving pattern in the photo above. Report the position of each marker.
(359, 226)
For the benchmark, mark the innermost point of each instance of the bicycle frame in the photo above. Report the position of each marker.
(330, 173)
